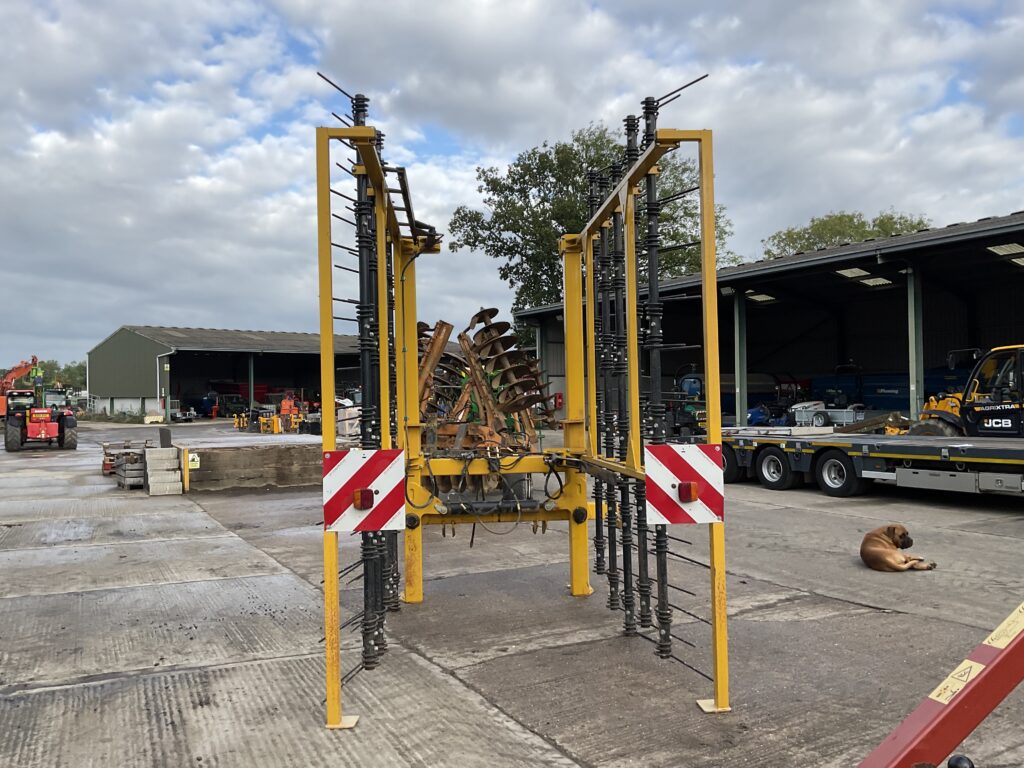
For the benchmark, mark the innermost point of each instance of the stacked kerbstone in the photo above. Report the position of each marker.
(130, 467)
(163, 471)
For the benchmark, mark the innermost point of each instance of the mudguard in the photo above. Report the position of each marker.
(946, 416)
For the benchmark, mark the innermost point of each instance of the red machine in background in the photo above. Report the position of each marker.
(27, 423)
(7, 382)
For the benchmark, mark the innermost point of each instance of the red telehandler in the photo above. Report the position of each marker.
(24, 422)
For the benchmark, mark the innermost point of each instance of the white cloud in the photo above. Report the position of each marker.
(156, 160)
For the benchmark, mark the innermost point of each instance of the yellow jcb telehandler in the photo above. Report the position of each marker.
(989, 406)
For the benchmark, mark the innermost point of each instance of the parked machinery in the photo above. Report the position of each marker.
(446, 438)
(28, 422)
(10, 378)
(989, 406)
(489, 396)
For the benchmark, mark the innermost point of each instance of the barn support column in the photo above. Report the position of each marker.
(915, 341)
(739, 324)
(163, 379)
(252, 381)
(539, 340)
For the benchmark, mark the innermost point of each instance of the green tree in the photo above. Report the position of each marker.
(543, 195)
(72, 375)
(838, 228)
(51, 371)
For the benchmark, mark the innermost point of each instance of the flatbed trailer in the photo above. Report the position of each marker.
(781, 458)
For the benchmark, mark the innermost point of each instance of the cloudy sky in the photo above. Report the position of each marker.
(156, 160)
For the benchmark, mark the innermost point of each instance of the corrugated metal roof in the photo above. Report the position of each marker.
(224, 340)
(989, 226)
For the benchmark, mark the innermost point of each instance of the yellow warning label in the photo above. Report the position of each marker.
(1012, 626)
(955, 682)
(193, 461)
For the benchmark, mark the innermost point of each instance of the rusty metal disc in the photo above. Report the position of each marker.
(533, 399)
(482, 316)
(515, 404)
(513, 372)
(491, 331)
(504, 360)
(496, 346)
(521, 385)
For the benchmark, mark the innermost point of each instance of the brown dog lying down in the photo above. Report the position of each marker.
(881, 547)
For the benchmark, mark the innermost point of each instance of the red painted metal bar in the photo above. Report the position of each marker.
(959, 703)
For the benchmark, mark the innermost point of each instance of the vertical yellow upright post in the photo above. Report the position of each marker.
(574, 494)
(592, 309)
(712, 391)
(409, 405)
(332, 607)
(185, 478)
(572, 285)
(401, 395)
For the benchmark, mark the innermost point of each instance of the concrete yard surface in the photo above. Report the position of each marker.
(188, 630)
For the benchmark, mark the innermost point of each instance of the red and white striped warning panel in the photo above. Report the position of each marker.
(364, 490)
(684, 484)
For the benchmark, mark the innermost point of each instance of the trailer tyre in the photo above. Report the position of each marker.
(934, 427)
(730, 468)
(774, 472)
(12, 436)
(820, 419)
(837, 476)
(68, 439)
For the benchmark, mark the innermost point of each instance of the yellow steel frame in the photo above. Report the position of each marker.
(621, 200)
(581, 449)
(325, 265)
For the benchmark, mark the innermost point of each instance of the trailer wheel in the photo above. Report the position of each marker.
(68, 439)
(730, 467)
(934, 427)
(774, 472)
(12, 436)
(820, 419)
(836, 475)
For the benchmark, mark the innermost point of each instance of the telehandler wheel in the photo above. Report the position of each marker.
(68, 439)
(934, 428)
(836, 475)
(731, 471)
(774, 472)
(12, 437)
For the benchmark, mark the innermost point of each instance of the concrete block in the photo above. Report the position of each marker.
(165, 489)
(161, 453)
(163, 477)
(163, 465)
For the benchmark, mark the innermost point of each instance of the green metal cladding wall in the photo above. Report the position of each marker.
(124, 365)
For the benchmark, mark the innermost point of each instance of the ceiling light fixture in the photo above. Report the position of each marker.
(1006, 250)
(852, 272)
